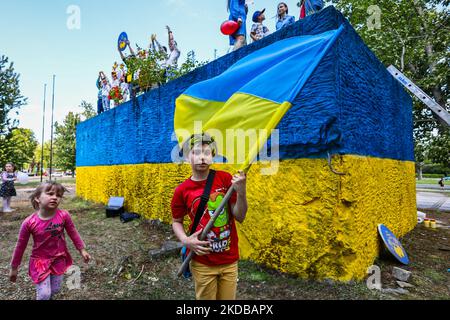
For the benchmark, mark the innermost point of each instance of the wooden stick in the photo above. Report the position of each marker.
(207, 228)
(139, 275)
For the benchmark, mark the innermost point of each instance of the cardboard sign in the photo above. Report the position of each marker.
(122, 41)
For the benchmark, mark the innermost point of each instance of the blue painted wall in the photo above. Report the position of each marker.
(350, 105)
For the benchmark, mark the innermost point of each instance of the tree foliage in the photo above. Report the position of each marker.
(189, 65)
(12, 140)
(10, 97)
(439, 151)
(19, 148)
(65, 141)
(88, 110)
(413, 35)
(38, 156)
(152, 72)
(65, 137)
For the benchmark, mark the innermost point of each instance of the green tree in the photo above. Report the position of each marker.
(64, 144)
(88, 110)
(10, 96)
(420, 154)
(20, 147)
(10, 101)
(65, 137)
(38, 153)
(152, 73)
(413, 35)
(439, 150)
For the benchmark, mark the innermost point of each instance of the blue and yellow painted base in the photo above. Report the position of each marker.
(304, 220)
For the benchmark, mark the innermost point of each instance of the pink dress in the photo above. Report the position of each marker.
(49, 254)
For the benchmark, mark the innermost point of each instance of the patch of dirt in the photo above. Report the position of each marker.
(122, 269)
(429, 255)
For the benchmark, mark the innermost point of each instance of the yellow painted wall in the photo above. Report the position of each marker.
(304, 220)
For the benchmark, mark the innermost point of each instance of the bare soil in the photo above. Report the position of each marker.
(122, 269)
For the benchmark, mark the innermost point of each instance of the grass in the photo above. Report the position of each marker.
(121, 268)
(435, 276)
(427, 181)
(76, 203)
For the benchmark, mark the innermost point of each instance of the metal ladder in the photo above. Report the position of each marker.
(443, 115)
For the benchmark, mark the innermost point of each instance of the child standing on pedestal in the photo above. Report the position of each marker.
(259, 30)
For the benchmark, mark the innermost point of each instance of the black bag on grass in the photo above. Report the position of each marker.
(129, 216)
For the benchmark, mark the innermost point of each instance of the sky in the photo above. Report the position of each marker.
(74, 40)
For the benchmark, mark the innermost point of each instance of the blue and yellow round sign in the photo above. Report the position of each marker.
(394, 246)
(122, 41)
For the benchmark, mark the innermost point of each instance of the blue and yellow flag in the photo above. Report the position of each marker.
(240, 107)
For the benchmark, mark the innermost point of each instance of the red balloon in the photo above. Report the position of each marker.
(229, 27)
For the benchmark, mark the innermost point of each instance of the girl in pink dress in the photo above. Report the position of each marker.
(7, 189)
(49, 258)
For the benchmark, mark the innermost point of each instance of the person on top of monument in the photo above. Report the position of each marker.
(174, 54)
(259, 30)
(308, 7)
(283, 19)
(132, 54)
(238, 12)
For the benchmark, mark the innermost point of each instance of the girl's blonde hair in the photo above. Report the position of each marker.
(45, 187)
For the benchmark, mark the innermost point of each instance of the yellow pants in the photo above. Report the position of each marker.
(214, 282)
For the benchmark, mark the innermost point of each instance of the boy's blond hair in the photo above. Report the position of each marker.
(199, 138)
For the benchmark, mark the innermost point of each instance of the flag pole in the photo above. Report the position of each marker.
(207, 228)
(253, 152)
(43, 128)
(210, 224)
(51, 135)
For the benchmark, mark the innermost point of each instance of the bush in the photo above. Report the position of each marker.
(151, 73)
(432, 175)
(435, 169)
(189, 65)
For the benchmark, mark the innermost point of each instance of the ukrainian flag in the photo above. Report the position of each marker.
(252, 95)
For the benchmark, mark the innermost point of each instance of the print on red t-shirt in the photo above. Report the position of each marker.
(223, 234)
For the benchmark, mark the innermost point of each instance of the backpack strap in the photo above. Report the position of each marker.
(203, 201)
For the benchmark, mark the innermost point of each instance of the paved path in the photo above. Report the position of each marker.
(23, 194)
(433, 187)
(438, 201)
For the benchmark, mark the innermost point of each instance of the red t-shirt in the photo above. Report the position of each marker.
(223, 234)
